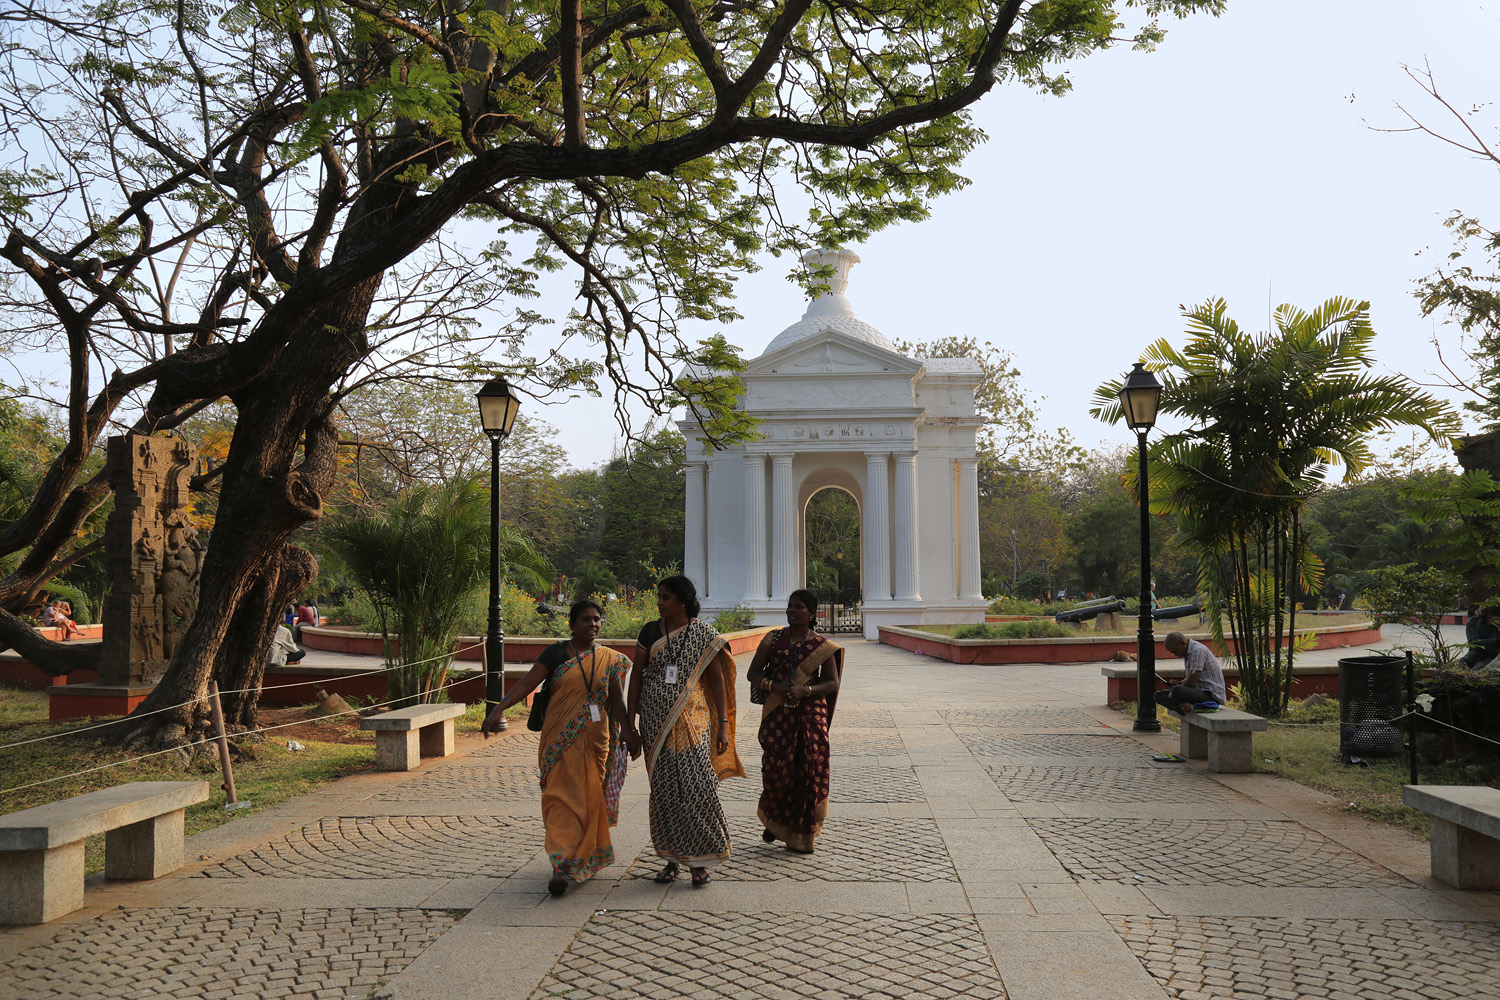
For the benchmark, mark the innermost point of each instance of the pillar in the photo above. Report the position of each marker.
(784, 533)
(695, 528)
(755, 528)
(877, 528)
(968, 529)
(906, 528)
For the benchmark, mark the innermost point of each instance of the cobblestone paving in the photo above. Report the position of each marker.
(198, 952)
(1106, 784)
(848, 850)
(1053, 745)
(662, 955)
(393, 847)
(863, 718)
(1197, 958)
(517, 744)
(1021, 718)
(844, 743)
(1245, 852)
(849, 783)
(508, 782)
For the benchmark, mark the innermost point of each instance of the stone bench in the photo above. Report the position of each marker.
(405, 735)
(1223, 737)
(1465, 832)
(41, 849)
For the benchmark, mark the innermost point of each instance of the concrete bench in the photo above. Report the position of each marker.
(41, 849)
(1223, 737)
(1465, 832)
(404, 736)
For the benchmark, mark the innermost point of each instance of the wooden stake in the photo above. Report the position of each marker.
(223, 741)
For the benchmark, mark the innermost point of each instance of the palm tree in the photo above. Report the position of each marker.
(424, 562)
(1272, 415)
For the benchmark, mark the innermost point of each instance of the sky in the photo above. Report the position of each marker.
(1240, 160)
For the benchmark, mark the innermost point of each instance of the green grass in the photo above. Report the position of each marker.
(1304, 747)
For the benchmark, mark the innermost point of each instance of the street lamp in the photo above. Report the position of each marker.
(498, 407)
(838, 575)
(1139, 398)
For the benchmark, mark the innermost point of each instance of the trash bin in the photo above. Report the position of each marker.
(1370, 696)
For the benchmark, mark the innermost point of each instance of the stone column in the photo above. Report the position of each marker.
(755, 528)
(784, 534)
(877, 528)
(695, 533)
(906, 528)
(968, 529)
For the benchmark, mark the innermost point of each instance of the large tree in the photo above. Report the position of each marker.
(266, 202)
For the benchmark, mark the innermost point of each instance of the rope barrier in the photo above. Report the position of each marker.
(172, 708)
(211, 739)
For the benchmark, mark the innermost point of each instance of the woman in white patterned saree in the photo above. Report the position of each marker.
(682, 685)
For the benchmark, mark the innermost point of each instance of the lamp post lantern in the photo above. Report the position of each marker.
(1139, 398)
(498, 408)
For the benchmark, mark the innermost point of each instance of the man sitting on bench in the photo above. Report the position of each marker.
(1203, 678)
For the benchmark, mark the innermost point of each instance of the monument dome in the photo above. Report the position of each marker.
(831, 311)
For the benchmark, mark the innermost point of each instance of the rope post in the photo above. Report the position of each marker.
(1413, 713)
(223, 742)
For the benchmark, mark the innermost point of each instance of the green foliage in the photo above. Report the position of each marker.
(1469, 509)
(739, 617)
(628, 515)
(624, 619)
(832, 528)
(1462, 700)
(1023, 606)
(421, 563)
(1271, 416)
(1418, 596)
(1042, 628)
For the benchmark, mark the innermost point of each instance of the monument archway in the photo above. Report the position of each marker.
(831, 553)
(839, 406)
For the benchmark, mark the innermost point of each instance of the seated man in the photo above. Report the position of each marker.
(284, 648)
(1203, 678)
(1483, 637)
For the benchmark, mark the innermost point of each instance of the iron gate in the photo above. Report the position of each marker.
(841, 618)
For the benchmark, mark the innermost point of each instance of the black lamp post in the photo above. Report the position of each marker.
(1140, 398)
(498, 407)
(838, 575)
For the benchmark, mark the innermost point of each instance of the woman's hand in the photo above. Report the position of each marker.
(632, 741)
(495, 721)
(723, 740)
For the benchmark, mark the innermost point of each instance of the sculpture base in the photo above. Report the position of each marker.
(80, 701)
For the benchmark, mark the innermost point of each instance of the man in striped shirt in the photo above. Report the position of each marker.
(1203, 678)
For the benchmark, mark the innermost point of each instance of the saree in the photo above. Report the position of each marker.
(582, 763)
(680, 731)
(794, 742)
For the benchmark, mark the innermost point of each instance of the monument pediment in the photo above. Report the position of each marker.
(831, 352)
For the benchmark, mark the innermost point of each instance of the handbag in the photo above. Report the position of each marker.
(758, 696)
(538, 716)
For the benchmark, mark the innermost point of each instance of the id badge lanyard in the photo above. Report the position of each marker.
(594, 714)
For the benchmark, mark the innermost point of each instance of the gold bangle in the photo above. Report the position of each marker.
(765, 684)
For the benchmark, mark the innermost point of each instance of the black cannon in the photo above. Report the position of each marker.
(1087, 612)
(1180, 611)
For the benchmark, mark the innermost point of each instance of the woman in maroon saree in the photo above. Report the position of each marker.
(798, 672)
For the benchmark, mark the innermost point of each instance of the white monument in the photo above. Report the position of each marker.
(839, 407)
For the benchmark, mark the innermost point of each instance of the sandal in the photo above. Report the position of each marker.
(557, 885)
(768, 836)
(667, 874)
(701, 877)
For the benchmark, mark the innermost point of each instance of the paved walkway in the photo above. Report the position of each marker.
(994, 832)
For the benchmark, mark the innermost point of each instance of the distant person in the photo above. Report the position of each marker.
(584, 740)
(1202, 680)
(1483, 638)
(284, 648)
(59, 614)
(307, 614)
(798, 671)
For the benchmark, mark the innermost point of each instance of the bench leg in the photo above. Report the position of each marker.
(1464, 858)
(437, 739)
(38, 886)
(1229, 753)
(1192, 741)
(145, 850)
(396, 749)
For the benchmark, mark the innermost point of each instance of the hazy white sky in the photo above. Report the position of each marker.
(1235, 161)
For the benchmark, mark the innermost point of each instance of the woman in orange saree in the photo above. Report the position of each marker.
(683, 687)
(799, 672)
(582, 756)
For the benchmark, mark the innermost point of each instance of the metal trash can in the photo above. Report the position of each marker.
(1370, 696)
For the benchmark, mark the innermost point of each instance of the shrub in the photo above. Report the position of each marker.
(736, 618)
(1466, 700)
(1039, 628)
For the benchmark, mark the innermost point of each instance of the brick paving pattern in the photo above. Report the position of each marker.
(514, 744)
(192, 952)
(508, 782)
(1207, 958)
(664, 954)
(1021, 718)
(1234, 852)
(847, 743)
(1054, 745)
(1107, 784)
(863, 718)
(393, 847)
(849, 850)
(848, 783)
